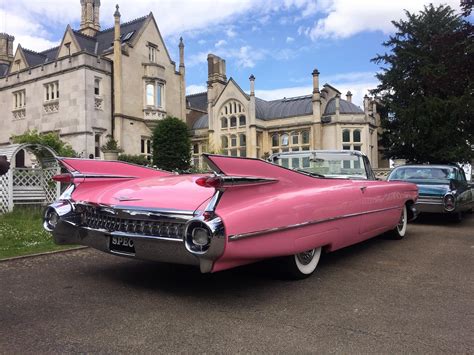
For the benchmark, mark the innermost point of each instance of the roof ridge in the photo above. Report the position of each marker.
(77, 32)
(197, 93)
(32, 51)
(125, 23)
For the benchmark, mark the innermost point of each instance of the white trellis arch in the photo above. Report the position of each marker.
(28, 185)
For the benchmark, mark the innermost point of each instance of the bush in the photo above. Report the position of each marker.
(134, 159)
(111, 145)
(171, 145)
(51, 140)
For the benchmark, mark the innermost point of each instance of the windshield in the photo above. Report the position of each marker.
(324, 164)
(422, 173)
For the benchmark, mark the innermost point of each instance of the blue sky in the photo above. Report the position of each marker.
(279, 41)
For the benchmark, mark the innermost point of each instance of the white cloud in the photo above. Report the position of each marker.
(173, 17)
(202, 41)
(195, 89)
(220, 43)
(346, 18)
(230, 32)
(289, 39)
(196, 59)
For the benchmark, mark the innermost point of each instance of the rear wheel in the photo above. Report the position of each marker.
(400, 230)
(302, 265)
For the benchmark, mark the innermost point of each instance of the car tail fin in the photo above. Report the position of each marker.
(90, 168)
(235, 168)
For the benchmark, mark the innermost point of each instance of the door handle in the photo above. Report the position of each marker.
(363, 188)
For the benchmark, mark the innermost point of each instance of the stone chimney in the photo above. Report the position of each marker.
(6, 48)
(90, 23)
(349, 96)
(338, 104)
(366, 104)
(216, 77)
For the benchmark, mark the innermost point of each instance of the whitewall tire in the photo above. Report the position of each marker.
(302, 265)
(401, 228)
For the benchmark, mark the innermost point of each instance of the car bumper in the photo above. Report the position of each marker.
(164, 242)
(146, 248)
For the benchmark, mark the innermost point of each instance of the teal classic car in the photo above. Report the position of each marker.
(441, 188)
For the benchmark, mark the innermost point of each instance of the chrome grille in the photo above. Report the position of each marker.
(430, 199)
(113, 220)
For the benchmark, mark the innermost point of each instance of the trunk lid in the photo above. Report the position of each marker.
(175, 192)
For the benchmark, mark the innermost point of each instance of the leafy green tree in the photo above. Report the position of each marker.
(51, 140)
(426, 88)
(171, 145)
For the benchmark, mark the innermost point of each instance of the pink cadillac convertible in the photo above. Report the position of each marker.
(291, 208)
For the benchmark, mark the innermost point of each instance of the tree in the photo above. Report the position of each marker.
(426, 88)
(51, 140)
(171, 145)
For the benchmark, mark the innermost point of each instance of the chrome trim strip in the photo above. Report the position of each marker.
(244, 180)
(100, 176)
(141, 236)
(303, 224)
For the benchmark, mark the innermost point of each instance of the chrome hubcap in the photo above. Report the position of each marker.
(306, 257)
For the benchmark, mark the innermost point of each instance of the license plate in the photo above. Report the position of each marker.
(122, 245)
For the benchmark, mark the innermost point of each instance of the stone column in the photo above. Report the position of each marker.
(182, 82)
(317, 130)
(252, 131)
(117, 89)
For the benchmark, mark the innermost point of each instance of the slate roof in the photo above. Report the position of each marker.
(201, 122)
(345, 107)
(105, 38)
(286, 107)
(97, 44)
(197, 101)
(34, 58)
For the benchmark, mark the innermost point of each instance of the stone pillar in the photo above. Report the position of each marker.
(117, 89)
(182, 72)
(317, 130)
(252, 131)
(338, 105)
(90, 23)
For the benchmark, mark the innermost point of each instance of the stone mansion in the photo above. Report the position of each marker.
(120, 81)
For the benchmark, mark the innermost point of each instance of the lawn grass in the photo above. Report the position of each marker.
(22, 233)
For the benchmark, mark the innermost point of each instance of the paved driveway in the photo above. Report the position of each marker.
(381, 296)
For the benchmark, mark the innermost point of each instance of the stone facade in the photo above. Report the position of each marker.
(239, 124)
(86, 88)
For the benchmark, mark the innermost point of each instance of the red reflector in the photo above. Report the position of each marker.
(209, 181)
(65, 178)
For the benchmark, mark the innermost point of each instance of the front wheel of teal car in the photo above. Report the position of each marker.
(401, 228)
(302, 265)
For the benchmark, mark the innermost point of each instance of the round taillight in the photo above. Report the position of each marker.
(449, 203)
(51, 219)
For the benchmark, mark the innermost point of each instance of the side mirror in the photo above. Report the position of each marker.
(4, 165)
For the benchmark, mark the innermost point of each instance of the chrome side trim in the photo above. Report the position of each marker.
(141, 236)
(304, 224)
(244, 180)
(212, 205)
(100, 176)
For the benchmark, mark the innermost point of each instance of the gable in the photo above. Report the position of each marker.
(232, 91)
(69, 39)
(19, 60)
(149, 33)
